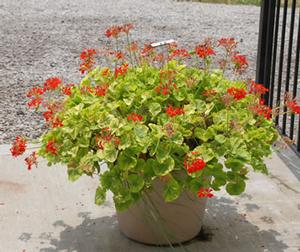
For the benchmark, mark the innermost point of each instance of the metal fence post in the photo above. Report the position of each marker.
(265, 44)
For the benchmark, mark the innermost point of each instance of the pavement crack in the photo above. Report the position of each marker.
(281, 182)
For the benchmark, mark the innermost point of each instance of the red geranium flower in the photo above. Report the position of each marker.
(87, 54)
(48, 115)
(18, 146)
(133, 47)
(51, 148)
(134, 117)
(209, 92)
(293, 107)
(105, 72)
(172, 111)
(113, 31)
(52, 83)
(105, 137)
(262, 110)
(35, 103)
(205, 193)
(195, 165)
(257, 88)
(205, 50)
(227, 43)
(237, 93)
(67, 89)
(180, 53)
(31, 160)
(101, 91)
(57, 123)
(35, 91)
(126, 28)
(240, 63)
(120, 71)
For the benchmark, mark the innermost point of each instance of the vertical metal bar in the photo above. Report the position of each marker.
(271, 91)
(269, 47)
(295, 86)
(289, 61)
(261, 50)
(281, 57)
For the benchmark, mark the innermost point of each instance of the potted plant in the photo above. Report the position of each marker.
(169, 133)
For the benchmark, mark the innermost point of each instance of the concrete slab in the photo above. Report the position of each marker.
(41, 211)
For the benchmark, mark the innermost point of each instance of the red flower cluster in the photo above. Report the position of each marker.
(18, 146)
(134, 117)
(209, 92)
(87, 54)
(162, 89)
(195, 165)
(262, 110)
(57, 123)
(293, 107)
(31, 160)
(180, 53)
(167, 82)
(205, 193)
(52, 83)
(240, 63)
(147, 50)
(115, 30)
(50, 117)
(228, 43)
(257, 88)
(35, 93)
(85, 90)
(122, 70)
(205, 50)
(173, 111)
(237, 93)
(106, 137)
(101, 91)
(117, 54)
(51, 148)
(133, 47)
(67, 89)
(35, 103)
(88, 60)
(105, 72)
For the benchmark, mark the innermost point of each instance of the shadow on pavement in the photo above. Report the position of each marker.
(228, 230)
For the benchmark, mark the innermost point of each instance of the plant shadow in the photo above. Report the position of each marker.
(225, 229)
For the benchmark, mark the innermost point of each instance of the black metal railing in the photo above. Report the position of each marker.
(278, 60)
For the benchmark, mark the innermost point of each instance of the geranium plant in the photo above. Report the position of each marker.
(155, 114)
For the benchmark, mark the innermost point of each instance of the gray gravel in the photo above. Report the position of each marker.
(40, 39)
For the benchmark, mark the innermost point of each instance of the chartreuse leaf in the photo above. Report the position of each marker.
(206, 152)
(136, 183)
(100, 196)
(127, 160)
(154, 108)
(109, 153)
(123, 200)
(204, 135)
(74, 174)
(140, 130)
(171, 190)
(162, 169)
(220, 139)
(163, 151)
(237, 187)
(234, 164)
(259, 165)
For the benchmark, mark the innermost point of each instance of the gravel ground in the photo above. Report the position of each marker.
(40, 39)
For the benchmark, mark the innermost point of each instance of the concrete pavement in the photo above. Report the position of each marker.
(41, 211)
